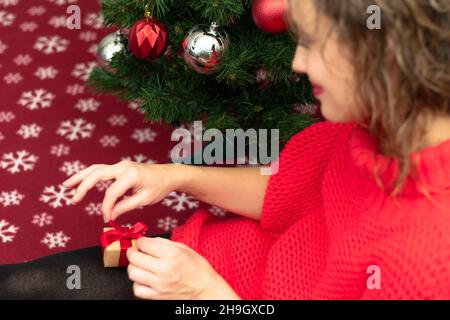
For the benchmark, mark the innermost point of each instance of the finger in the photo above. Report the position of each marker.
(99, 174)
(144, 292)
(169, 242)
(154, 247)
(80, 175)
(128, 204)
(142, 276)
(144, 261)
(114, 192)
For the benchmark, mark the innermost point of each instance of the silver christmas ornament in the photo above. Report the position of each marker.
(110, 45)
(205, 47)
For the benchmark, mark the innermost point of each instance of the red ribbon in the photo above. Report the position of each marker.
(124, 235)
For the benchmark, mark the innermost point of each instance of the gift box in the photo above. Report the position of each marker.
(115, 241)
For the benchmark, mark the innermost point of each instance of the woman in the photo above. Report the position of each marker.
(359, 208)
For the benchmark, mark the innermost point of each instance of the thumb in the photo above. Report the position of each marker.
(135, 201)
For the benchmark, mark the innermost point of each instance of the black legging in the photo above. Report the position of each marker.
(46, 278)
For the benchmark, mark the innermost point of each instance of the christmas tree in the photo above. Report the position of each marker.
(247, 83)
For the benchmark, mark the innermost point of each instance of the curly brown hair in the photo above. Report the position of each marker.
(403, 71)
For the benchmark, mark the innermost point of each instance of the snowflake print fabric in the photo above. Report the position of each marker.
(51, 127)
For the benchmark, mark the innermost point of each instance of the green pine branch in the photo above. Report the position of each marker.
(171, 91)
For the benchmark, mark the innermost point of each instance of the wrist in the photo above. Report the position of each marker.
(182, 176)
(218, 289)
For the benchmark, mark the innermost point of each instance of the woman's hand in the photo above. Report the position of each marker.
(150, 184)
(162, 269)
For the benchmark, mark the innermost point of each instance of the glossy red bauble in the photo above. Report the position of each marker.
(268, 15)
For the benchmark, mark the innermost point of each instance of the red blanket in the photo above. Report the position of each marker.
(51, 127)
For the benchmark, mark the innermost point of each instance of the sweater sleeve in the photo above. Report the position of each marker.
(296, 188)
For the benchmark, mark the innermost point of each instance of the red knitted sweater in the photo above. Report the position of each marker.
(325, 222)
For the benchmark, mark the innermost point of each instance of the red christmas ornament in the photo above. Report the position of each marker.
(148, 39)
(269, 15)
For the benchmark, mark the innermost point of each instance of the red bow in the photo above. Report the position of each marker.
(124, 235)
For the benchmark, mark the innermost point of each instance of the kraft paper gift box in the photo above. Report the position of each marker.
(116, 240)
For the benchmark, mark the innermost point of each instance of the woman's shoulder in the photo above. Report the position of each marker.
(319, 137)
(323, 130)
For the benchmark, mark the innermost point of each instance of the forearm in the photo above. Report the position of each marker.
(238, 190)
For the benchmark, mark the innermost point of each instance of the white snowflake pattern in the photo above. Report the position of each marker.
(21, 160)
(36, 11)
(46, 72)
(144, 135)
(60, 150)
(109, 141)
(167, 223)
(28, 131)
(43, 219)
(51, 44)
(3, 47)
(93, 49)
(93, 209)
(62, 2)
(2, 137)
(219, 212)
(87, 105)
(139, 158)
(11, 198)
(58, 21)
(179, 201)
(103, 185)
(7, 231)
(71, 167)
(74, 89)
(6, 18)
(6, 116)
(57, 196)
(88, 36)
(117, 120)
(23, 59)
(36, 99)
(55, 240)
(136, 105)
(12, 78)
(78, 128)
(94, 20)
(83, 70)
(7, 3)
(28, 26)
